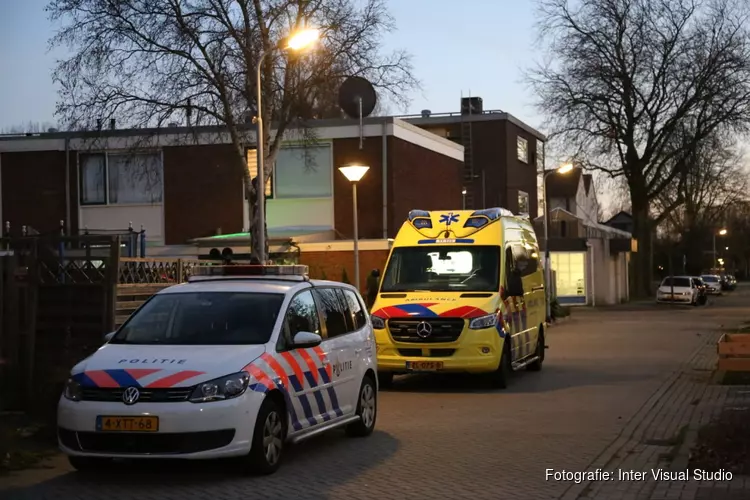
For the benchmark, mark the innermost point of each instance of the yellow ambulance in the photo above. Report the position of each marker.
(463, 291)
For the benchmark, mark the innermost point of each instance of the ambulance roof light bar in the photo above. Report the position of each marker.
(241, 271)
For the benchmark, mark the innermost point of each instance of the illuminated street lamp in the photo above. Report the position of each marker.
(563, 169)
(298, 41)
(722, 232)
(463, 199)
(354, 174)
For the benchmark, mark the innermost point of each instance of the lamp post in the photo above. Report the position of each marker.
(463, 199)
(562, 169)
(354, 174)
(296, 42)
(722, 232)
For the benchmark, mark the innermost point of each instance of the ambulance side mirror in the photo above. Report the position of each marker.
(515, 284)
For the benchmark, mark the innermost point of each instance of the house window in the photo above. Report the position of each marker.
(121, 178)
(522, 147)
(252, 166)
(539, 155)
(304, 172)
(570, 273)
(523, 202)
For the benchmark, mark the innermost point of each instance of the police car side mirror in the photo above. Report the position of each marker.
(109, 336)
(307, 339)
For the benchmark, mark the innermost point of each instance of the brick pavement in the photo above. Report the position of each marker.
(608, 384)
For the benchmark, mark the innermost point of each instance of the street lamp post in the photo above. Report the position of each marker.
(722, 232)
(463, 199)
(296, 42)
(562, 169)
(354, 174)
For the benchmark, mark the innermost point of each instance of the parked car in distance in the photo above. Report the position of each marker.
(713, 284)
(702, 292)
(730, 282)
(678, 290)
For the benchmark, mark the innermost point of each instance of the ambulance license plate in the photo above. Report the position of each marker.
(424, 366)
(106, 423)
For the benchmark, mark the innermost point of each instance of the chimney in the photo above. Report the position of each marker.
(426, 113)
(111, 123)
(98, 124)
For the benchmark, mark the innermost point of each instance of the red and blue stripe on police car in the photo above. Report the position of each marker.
(149, 378)
(294, 373)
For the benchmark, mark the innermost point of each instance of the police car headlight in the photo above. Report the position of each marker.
(377, 323)
(72, 390)
(483, 322)
(220, 389)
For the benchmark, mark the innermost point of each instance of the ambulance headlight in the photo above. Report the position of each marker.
(220, 389)
(377, 323)
(483, 322)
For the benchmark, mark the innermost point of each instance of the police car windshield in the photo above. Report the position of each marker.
(203, 318)
(444, 268)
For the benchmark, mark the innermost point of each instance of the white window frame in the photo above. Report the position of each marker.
(116, 152)
(540, 155)
(524, 194)
(522, 145)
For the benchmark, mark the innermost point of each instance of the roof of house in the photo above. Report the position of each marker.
(563, 186)
(587, 179)
(429, 118)
(621, 216)
(198, 135)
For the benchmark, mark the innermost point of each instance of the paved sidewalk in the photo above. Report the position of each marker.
(660, 435)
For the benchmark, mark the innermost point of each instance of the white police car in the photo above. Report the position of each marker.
(236, 362)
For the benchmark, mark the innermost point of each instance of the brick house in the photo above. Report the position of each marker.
(183, 185)
(503, 156)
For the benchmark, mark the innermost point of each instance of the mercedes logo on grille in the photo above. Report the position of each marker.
(424, 329)
(131, 396)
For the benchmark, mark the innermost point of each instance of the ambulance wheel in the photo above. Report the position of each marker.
(268, 439)
(367, 410)
(540, 349)
(501, 376)
(385, 379)
(88, 464)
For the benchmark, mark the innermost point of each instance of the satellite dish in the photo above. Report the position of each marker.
(354, 90)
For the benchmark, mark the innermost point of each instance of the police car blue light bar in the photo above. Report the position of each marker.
(251, 270)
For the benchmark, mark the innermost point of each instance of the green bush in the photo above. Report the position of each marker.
(345, 277)
(559, 311)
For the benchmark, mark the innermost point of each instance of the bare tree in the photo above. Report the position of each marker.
(150, 63)
(625, 78)
(715, 180)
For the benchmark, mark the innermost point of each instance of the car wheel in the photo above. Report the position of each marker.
(367, 410)
(268, 439)
(540, 350)
(501, 376)
(385, 379)
(89, 464)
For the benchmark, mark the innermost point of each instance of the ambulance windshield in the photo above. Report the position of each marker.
(445, 268)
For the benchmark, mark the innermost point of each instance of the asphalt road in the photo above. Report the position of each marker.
(454, 437)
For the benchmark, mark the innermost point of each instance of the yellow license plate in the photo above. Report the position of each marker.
(106, 423)
(424, 366)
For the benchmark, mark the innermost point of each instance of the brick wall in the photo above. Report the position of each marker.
(420, 179)
(202, 192)
(331, 264)
(33, 190)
